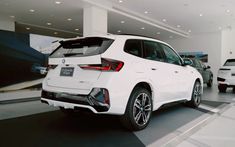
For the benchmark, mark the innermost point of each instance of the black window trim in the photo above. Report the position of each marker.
(159, 45)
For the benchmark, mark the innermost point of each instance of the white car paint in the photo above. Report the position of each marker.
(228, 74)
(168, 82)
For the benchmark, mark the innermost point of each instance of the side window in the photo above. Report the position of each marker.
(194, 63)
(171, 56)
(152, 51)
(198, 65)
(133, 47)
(202, 64)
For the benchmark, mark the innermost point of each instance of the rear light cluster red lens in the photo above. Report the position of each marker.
(106, 65)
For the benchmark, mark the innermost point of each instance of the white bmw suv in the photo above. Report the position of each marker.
(226, 76)
(124, 75)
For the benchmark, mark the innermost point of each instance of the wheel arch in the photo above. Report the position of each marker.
(144, 84)
(201, 82)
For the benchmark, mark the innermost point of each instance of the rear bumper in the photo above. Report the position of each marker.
(72, 101)
(229, 81)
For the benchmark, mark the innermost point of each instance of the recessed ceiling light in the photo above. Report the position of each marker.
(55, 33)
(12, 16)
(76, 29)
(120, 1)
(122, 21)
(146, 12)
(200, 14)
(170, 36)
(178, 26)
(189, 31)
(49, 23)
(158, 33)
(69, 19)
(58, 2)
(164, 20)
(142, 28)
(27, 28)
(220, 28)
(32, 10)
(119, 31)
(228, 11)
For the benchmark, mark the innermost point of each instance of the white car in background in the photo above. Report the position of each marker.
(124, 75)
(226, 76)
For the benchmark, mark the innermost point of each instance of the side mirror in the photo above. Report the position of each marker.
(188, 61)
(206, 67)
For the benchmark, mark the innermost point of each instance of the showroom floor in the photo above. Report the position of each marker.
(35, 124)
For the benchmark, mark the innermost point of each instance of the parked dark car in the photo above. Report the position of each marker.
(205, 71)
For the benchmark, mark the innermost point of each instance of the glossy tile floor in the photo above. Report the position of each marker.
(35, 124)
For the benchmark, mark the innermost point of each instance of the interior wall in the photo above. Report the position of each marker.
(210, 43)
(228, 45)
(7, 24)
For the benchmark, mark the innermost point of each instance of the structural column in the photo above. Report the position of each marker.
(7, 24)
(95, 21)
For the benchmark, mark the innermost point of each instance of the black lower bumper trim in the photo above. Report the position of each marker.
(69, 98)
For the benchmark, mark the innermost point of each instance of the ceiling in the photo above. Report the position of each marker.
(162, 19)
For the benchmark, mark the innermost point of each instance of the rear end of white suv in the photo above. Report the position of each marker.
(123, 75)
(81, 76)
(226, 76)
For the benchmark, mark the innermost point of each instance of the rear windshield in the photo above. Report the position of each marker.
(230, 62)
(82, 47)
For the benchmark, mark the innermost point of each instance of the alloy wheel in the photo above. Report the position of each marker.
(197, 93)
(142, 109)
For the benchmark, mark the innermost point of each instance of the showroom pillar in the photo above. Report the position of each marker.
(95, 21)
(7, 24)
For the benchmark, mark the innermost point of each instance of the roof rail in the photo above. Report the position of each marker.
(137, 35)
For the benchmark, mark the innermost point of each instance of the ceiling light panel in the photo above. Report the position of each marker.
(32, 10)
(58, 2)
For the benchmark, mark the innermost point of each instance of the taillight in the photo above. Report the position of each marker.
(51, 67)
(220, 79)
(106, 65)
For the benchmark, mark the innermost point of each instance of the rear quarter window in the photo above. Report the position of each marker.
(230, 62)
(133, 47)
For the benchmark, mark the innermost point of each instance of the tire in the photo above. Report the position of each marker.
(196, 95)
(222, 88)
(209, 84)
(138, 111)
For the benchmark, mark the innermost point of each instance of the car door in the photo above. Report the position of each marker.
(159, 73)
(181, 75)
(205, 72)
(198, 66)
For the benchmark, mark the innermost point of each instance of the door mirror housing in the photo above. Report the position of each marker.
(187, 61)
(206, 67)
